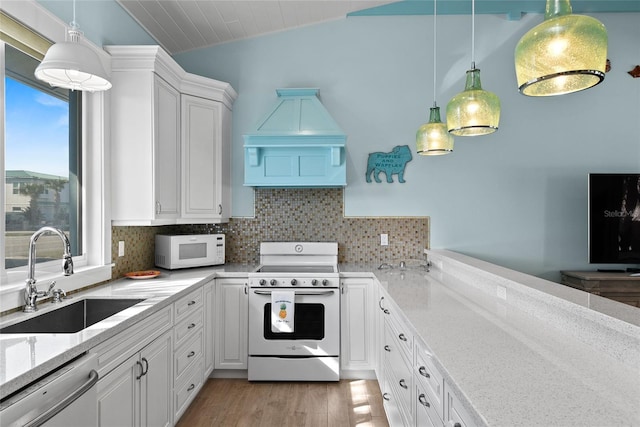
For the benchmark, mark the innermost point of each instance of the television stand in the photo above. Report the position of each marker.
(619, 286)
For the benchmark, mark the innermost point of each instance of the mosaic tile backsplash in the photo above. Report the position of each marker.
(289, 215)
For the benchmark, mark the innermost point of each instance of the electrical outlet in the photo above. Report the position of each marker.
(501, 292)
(384, 240)
(121, 248)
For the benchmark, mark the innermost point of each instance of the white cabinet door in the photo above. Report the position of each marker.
(358, 327)
(139, 391)
(205, 160)
(145, 149)
(231, 334)
(118, 395)
(156, 385)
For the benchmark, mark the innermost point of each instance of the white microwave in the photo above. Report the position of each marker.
(189, 250)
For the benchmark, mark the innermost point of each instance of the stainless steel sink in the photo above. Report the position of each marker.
(71, 318)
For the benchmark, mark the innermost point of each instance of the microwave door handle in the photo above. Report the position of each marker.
(329, 292)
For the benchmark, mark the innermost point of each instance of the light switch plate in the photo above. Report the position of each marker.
(121, 248)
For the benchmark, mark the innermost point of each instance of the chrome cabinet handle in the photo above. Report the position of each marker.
(72, 397)
(381, 307)
(423, 372)
(386, 396)
(191, 326)
(146, 366)
(191, 354)
(219, 209)
(402, 337)
(423, 400)
(190, 303)
(141, 370)
(403, 384)
(387, 348)
(158, 207)
(191, 387)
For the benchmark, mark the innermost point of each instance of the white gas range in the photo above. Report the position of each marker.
(294, 313)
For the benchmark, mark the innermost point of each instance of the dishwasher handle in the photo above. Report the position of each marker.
(58, 407)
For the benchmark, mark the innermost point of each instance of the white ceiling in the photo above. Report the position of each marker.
(183, 25)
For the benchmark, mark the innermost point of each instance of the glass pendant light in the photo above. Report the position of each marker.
(433, 139)
(473, 111)
(566, 53)
(72, 65)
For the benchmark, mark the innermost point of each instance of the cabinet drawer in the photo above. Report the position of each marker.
(117, 349)
(188, 304)
(430, 379)
(187, 354)
(186, 391)
(187, 327)
(455, 413)
(401, 336)
(400, 373)
(397, 400)
(426, 414)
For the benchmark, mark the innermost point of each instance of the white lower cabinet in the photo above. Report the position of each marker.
(188, 357)
(138, 391)
(357, 330)
(231, 314)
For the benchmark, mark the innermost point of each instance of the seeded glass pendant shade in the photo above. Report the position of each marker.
(433, 138)
(566, 53)
(72, 65)
(473, 111)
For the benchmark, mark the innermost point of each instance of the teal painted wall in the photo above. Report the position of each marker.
(517, 197)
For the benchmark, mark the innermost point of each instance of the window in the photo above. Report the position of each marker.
(69, 188)
(41, 143)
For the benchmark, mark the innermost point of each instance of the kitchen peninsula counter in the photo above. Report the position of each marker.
(522, 351)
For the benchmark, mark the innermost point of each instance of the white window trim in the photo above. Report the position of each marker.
(94, 265)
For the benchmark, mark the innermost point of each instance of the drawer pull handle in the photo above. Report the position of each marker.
(423, 400)
(387, 348)
(386, 397)
(381, 307)
(191, 387)
(402, 337)
(191, 326)
(403, 384)
(190, 303)
(457, 425)
(191, 354)
(423, 372)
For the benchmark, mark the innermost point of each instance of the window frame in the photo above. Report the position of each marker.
(94, 265)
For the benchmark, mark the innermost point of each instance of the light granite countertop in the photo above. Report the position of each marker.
(533, 358)
(530, 359)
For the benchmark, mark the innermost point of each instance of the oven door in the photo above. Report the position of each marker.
(316, 330)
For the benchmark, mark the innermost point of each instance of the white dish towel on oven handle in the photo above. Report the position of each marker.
(282, 311)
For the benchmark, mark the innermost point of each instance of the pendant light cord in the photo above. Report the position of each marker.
(435, 9)
(473, 34)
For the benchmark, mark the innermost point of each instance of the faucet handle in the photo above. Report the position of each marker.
(51, 285)
(58, 295)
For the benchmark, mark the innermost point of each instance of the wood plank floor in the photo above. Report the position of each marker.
(238, 402)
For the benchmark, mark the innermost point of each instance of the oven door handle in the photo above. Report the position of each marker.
(330, 292)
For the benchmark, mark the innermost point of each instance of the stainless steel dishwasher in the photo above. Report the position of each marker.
(65, 397)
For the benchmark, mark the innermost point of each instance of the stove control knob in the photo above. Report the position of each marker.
(314, 282)
(263, 282)
(294, 282)
(273, 282)
(325, 282)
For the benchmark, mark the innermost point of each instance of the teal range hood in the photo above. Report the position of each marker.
(298, 144)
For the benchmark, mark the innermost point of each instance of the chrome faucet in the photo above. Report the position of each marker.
(31, 292)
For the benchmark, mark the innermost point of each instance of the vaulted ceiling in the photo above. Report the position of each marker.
(183, 25)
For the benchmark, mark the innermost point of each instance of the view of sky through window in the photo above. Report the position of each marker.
(36, 130)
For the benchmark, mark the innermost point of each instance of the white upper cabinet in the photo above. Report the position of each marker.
(170, 141)
(206, 156)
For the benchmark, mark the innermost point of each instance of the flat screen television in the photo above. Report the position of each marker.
(614, 218)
